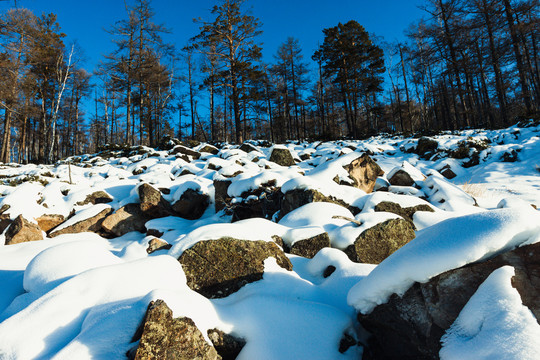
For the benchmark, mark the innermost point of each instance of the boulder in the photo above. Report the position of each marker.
(48, 222)
(282, 156)
(401, 178)
(209, 149)
(380, 241)
(166, 338)
(218, 268)
(423, 314)
(220, 189)
(364, 172)
(98, 197)
(263, 202)
(447, 172)
(406, 213)
(296, 198)
(90, 224)
(157, 244)
(126, 219)
(308, 248)
(248, 148)
(191, 205)
(426, 146)
(227, 346)
(153, 204)
(21, 230)
(184, 150)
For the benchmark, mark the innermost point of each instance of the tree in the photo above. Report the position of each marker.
(233, 33)
(355, 64)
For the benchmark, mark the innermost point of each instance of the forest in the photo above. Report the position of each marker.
(465, 64)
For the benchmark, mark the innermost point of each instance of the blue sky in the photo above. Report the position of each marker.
(86, 21)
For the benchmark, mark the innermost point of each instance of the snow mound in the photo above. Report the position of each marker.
(445, 246)
(494, 324)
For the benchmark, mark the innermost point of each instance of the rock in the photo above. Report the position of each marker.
(422, 315)
(308, 248)
(510, 156)
(91, 224)
(364, 172)
(401, 178)
(426, 146)
(227, 346)
(282, 156)
(299, 197)
(380, 241)
(209, 149)
(248, 148)
(263, 202)
(218, 268)
(5, 221)
(98, 197)
(406, 213)
(157, 244)
(48, 222)
(154, 232)
(126, 219)
(191, 205)
(221, 196)
(447, 172)
(183, 150)
(21, 230)
(166, 338)
(153, 204)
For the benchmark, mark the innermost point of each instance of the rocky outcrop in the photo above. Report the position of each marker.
(299, 197)
(218, 268)
(414, 323)
(364, 172)
(227, 346)
(21, 230)
(282, 156)
(126, 219)
(162, 337)
(98, 197)
(380, 241)
(91, 224)
(48, 222)
(191, 205)
(308, 248)
(153, 205)
(406, 213)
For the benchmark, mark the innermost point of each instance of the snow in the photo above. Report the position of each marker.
(82, 296)
(447, 245)
(494, 324)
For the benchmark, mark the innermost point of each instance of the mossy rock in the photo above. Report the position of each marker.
(380, 241)
(218, 268)
(282, 157)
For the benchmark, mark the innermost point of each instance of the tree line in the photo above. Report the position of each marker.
(468, 63)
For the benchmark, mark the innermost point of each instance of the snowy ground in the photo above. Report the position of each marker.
(81, 296)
